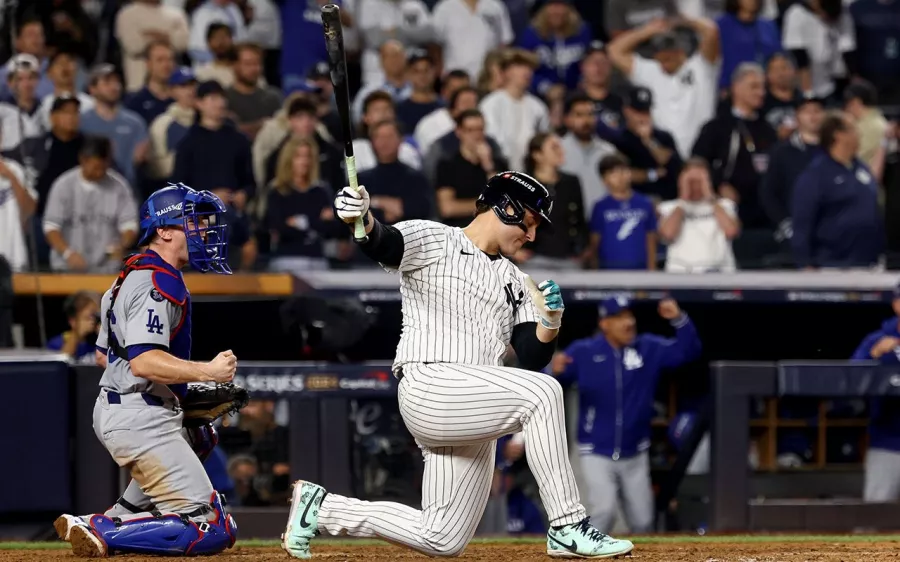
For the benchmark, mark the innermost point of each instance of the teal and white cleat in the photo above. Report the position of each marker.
(582, 540)
(303, 518)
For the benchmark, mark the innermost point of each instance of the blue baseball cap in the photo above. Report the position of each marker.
(613, 305)
(181, 76)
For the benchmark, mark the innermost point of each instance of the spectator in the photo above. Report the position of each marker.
(264, 29)
(19, 111)
(834, 206)
(490, 79)
(169, 129)
(82, 310)
(151, 100)
(625, 15)
(623, 224)
(737, 145)
(55, 152)
(214, 11)
(565, 246)
(819, 35)
(68, 26)
(653, 154)
(18, 202)
(379, 106)
(29, 40)
(215, 156)
(249, 103)
(789, 158)
(303, 48)
(397, 191)
(440, 121)
(109, 119)
(746, 36)
(244, 471)
(513, 116)
(395, 83)
(220, 39)
(142, 24)
(877, 35)
(91, 216)
(298, 213)
(422, 99)
(62, 69)
(406, 21)
(322, 95)
(583, 149)
(596, 71)
(861, 101)
(560, 39)
(698, 226)
(684, 87)
(782, 95)
(462, 176)
(468, 30)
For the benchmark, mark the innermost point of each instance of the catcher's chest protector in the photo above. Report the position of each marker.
(169, 283)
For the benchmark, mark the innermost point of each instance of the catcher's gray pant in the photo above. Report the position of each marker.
(456, 413)
(626, 479)
(148, 441)
(882, 476)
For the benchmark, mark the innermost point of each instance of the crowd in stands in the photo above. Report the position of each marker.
(686, 135)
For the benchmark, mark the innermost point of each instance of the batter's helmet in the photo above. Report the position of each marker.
(517, 191)
(179, 205)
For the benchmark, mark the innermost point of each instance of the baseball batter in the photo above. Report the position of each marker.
(463, 304)
(170, 507)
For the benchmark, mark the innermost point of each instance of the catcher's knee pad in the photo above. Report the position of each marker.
(168, 535)
(202, 439)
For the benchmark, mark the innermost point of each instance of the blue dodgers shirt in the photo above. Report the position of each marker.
(623, 226)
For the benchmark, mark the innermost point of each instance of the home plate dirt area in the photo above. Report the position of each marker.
(692, 549)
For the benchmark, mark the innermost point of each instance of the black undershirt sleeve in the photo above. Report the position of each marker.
(533, 354)
(385, 245)
(801, 57)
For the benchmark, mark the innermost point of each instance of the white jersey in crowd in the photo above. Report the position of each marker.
(682, 102)
(825, 44)
(12, 236)
(366, 160)
(467, 35)
(432, 127)
(17, 125)
(408, 21)
(459, 304)
(701, 245)
(513, 122)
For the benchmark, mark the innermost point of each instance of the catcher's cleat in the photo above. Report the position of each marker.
(64, 524)
(583, 540)
(303, 518)
(86, 543)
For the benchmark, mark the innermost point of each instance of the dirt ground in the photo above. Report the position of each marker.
(683, 552)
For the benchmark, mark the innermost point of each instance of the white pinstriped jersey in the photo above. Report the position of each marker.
(459, 304)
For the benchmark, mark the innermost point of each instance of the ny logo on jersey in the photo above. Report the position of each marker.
(153, 323)
(511, 299)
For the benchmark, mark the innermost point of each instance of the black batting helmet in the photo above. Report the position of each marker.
(518, 191)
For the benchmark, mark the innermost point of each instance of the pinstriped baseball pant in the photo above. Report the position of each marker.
(456, 413)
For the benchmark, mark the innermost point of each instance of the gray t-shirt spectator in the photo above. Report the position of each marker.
(126, 131)
(261, 104)
(90, 217)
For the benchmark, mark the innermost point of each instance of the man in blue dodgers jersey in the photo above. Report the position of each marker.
(616, 372)
(464, 304)
(170, 507)
(882, 465)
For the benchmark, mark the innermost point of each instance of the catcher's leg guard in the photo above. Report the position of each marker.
(171, 534)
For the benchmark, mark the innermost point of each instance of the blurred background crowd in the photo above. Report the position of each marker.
(685, 135)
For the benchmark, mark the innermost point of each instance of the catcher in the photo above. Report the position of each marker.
(148, 416)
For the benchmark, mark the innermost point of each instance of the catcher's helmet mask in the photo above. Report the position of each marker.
(510, 193)
(200, 215)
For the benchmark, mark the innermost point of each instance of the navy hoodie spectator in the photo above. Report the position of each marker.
(422, 99)
(623, 224)
(299, 216)
(154, 98)
(82, 311)
(215, 156)
(882, 465)
(559, 37)
(398, 192)
(745, 37)
(834, 206)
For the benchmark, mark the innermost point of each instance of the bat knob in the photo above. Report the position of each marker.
(362, 240)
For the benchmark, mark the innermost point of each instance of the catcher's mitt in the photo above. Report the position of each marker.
(204, 403)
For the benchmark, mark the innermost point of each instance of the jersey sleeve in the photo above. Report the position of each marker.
(424, 243)
(150, 319)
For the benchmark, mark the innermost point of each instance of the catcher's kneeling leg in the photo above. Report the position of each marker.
(168, 534)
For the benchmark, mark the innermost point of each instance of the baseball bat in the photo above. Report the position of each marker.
(337, 63)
